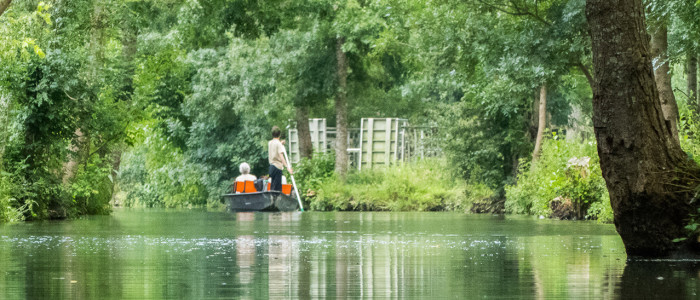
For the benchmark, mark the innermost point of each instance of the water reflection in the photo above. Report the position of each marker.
(155, 254)
(660, 279)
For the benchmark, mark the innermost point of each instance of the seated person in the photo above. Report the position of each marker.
(264, 181)
(245, 173)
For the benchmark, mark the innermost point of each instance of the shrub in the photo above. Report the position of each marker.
(565, 169)
(91, 188)
(311, 173)
(689, 130)
(13, 187)
(9, 212)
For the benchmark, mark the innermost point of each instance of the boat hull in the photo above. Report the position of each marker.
(260, 201)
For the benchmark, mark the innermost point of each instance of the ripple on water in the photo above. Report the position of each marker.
(339, 255)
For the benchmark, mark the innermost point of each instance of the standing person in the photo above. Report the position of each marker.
(275, 155)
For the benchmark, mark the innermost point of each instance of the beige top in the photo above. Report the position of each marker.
(246, 177)
(274, 153)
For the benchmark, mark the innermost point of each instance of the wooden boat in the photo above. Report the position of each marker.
(246, 197)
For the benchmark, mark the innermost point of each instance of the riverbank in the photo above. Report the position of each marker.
(426, 185)
(566, 183)
(433, 185)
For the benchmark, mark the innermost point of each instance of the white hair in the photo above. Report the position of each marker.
(244, 168)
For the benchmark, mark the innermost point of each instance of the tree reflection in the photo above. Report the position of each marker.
(327, 255)
(660, 279)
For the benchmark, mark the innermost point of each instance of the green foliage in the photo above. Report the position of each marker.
(692, 229)
(194, 87)
(484, 144)
(11, 186)
(211, 108)
(486, 66)
(217, 104)
(44, 114)
(186, 90)
(157, 174)
(161, 82)
(62, 118)
(22, 33)
(307, 78)
(569, 170)
(682, 20)
(688, 128)
(601, 210)
(92, 187)
(310, 174)
(423, 186)
(687, 134)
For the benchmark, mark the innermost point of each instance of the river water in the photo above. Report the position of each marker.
(199, 254)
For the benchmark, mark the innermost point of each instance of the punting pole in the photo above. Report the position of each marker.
(289, 163)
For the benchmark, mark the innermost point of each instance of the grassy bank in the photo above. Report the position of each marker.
(426, 185)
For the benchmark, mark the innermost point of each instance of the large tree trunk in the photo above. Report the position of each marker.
(662, 76)
(4, 4)
(643, 165)
(341, 112)
(541, 124)
(692, 81)
(533, 117)
(303, 132)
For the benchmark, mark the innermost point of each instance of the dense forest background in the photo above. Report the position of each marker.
(155, 103)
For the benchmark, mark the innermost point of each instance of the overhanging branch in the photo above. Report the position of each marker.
(516, 10)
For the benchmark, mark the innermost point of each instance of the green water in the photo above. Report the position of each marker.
(196, 254)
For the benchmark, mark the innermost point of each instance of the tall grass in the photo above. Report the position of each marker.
(11, 210)
(426, 185)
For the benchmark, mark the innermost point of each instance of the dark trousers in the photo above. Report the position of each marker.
(276, 178)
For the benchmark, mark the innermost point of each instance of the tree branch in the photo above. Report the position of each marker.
(680, 91)
(499, 8)
(4, 4)
(69, 97)
(587, 73)
(113, 138)
(519, 11)
(524, 11)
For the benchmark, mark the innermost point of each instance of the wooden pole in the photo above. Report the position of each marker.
(294, 183)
